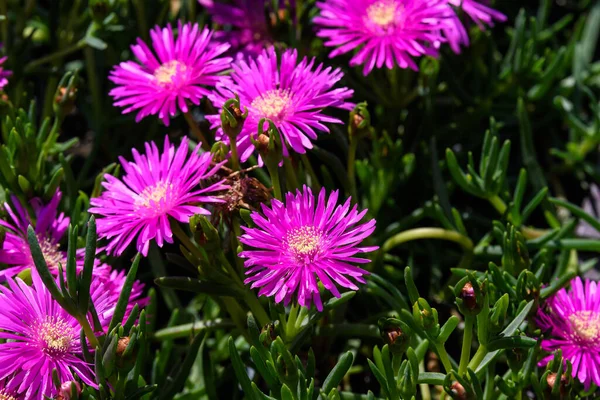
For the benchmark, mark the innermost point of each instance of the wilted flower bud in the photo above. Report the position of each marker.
(66, 390)
(263, 143)
(122, 345)
(243, 193)
(395, 334)
(551, 380)
(219, 150)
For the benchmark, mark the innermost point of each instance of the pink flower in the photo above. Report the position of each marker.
(388, 32)
(292, 94)
(480, 13)
(181, 71)
(4, 73)
(300, 242)
(156, 188)
(572, 322)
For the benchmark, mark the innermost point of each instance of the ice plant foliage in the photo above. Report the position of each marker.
(249, 33)
(50, 227)
(292, 94)
(572, 321)
(156, 187)
(482, 14)
(591, 205)
(40, 337)
(388, 32)
(177, 71)
(302, 241)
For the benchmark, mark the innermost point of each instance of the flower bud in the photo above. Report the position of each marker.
(467, 294)
(360, 121)
(232, 118)
(263, 143)
(219, 151)
(122, 345)
(458, 391)
(67, 389)
(395, 334)
(268, 334)
(65, 100)
(551, 381)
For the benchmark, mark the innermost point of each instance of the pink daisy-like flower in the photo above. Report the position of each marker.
(591, 205)
(293, 95)
(179, 72)
(300, 242)
(387, 32)
(155, 187)
(572, 320)
(113, 283)
(249, 33)
(50, 227)
(41, 336)
(480, 13)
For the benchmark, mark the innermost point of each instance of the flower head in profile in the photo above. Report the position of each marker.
(591, 205)
(572, 322)
(179, 70)
(40, 337)
(388, 32)
(50, 227)
(302, 241)
(292, 94)
(156, 187)
(250, 26)
(482, 14)
(4, 73)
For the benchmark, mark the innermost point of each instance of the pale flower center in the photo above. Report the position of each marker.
(382, 12)
(586, 325)
(52, 254)
(272, 104)
(154, 199)
(5, 396)
(55, 336)
(304, 242)
(166, 72)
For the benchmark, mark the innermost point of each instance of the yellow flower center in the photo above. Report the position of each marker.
(272, 104)
(586, 325)
(152, 195)
(52, 254)
(304, 241)
(56, 336)
(5, 396)
(164, 74)
(382, 12)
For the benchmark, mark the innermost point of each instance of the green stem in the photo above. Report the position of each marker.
(89, 333)
(351, 162)
(274, 173)
(238, 316)
(425, 392)
(477, 357)
(196, 132)
(427, 233)
(314, 180)
(141, 18)
(185, 240)
(57, 55)
(465, 354)
(290, 326)
(349, 330)
(498, 204)
(444, 358)
(290, 175)
(187, 330)
(235, 161)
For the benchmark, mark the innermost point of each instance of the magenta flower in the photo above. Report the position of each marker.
(41, 337)
(155, 187)
(572, 320)
(591, 205)
(387, 32)
(298, 243)
(4, 73)
(249, 33)
(293, 95)
(178, 73)
(480, 13)
(50, 227)
(112, 283)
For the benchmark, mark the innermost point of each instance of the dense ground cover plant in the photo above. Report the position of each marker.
(299, 199)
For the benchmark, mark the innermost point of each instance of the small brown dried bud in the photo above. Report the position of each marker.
(66, 99)
(551, 380)
(122, 345)
(459, 391)
(467, 294)
(263, 143)
(357, 119)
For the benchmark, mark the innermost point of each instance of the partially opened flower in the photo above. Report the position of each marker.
(591, 205)
(387, 32)
(40, 337)
(478, 12)
(50, 227)
(247, 19)
(572, 322)
(179, 70)
(302, 241)
(156, 188)
(294, 95)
